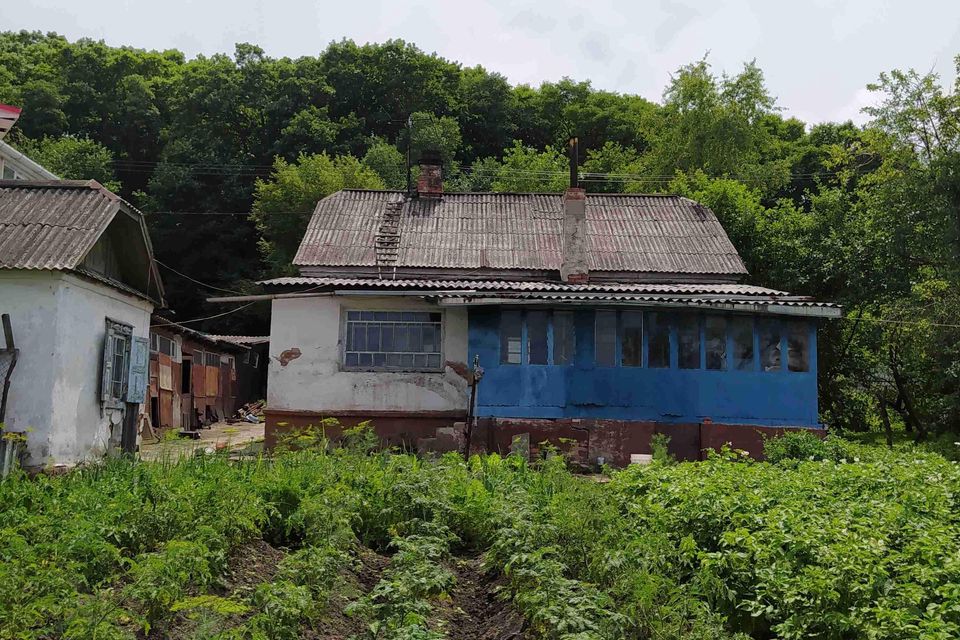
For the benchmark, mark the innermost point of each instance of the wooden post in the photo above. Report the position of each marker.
(477, 374)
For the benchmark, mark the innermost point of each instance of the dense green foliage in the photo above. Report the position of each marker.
(834, 540)
(863, 216)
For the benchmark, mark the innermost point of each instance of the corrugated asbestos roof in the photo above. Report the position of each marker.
(509, 286)
(244, 340)
(635, 233)
(51, 225)
(738, 297)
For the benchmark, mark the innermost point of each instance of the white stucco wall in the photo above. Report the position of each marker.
(59, 324)
(315, 382)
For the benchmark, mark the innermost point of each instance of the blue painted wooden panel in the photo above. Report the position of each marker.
(584, 390)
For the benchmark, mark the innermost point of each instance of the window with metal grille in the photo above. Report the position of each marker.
(212, 359)
(393, 340)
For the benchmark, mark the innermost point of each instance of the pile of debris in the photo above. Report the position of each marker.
(251, 412)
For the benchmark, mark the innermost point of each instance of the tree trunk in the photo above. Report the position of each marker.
(886, 420)
(909, 412)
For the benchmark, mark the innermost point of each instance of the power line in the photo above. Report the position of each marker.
(219, 315)
(202, 284)
(903, 322)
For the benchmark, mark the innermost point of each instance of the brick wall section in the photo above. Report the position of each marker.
(582, 440)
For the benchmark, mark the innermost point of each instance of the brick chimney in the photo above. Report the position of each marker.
(573, 267)
(430, 182)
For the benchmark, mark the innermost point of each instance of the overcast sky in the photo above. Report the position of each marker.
(817, 55)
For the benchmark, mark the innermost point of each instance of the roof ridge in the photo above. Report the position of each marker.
(522, 193)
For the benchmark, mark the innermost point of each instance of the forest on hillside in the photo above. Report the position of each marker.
(228, 154)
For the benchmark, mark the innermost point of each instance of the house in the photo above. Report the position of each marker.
(16, 166)
(78, 281)
(198, 378)
(598, 320)
(251, 366)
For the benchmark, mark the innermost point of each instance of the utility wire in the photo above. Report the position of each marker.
(219, 315)
(903, 322)
(202, 284)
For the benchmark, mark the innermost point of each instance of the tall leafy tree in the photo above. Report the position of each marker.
(283, 203)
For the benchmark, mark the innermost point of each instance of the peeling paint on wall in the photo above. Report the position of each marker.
(287, 355)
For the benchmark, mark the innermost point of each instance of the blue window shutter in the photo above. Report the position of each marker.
(137, 379)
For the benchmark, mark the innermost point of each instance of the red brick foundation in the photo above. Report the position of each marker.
(584, 440)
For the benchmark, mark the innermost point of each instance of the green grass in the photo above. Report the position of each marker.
(856, 542)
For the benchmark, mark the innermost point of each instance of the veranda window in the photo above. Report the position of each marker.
(606, 338)
(393, 340)
(631, 339)
(798, 347)
(688, 341)
(715, 332)
(563, 338)
(658, 340)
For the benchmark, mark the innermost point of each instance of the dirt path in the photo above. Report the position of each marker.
(217, 436)
(477, 609)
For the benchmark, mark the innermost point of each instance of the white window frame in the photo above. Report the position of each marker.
(344, 326)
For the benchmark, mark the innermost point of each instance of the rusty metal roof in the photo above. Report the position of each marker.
(525, 286)
(520, 231)
(52, 225)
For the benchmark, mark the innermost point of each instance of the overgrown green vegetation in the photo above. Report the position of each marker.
(833, 540)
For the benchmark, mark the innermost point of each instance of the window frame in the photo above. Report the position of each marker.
(615, 358)
(342, 343)
(115, 331)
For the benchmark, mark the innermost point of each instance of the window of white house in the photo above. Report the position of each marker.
(798, 347)
(769, 334)
(511, 336)
(631, 339)
(393, 340)
(658, 340)
(8, 172)
(563, 337)
(715, 333)
(605, 329)
(537, 336)
(741, 330)
(116, 363)
(688, 341)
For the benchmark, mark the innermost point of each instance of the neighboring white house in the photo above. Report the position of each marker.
(16, 166)
(78, 281)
